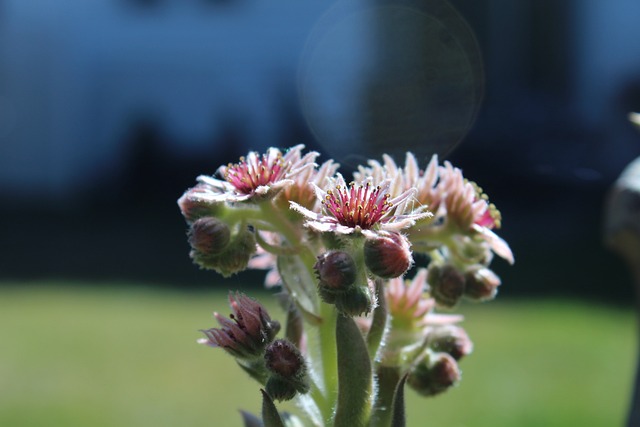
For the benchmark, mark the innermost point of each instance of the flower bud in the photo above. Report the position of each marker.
(233, 259)
(336, 270)
(450, 339)
(209, 235)
(388, 256)
(193, 206)
(481, 284)
(434, 374)
(288, 370)
(446, 284)
(246, 332)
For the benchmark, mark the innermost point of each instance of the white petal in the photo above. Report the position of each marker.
(443, 319)
(411, 169)
(304, 211)
(497, 244)
(216, 183)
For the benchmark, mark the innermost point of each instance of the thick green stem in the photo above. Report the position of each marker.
(387, 378)
(378, 321)
(354, 376)
(329, 356)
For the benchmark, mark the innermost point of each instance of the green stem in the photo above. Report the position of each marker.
(329, 356)
(290, 232)
(378, 321)
(275, 249)
(388, 378)
(354, 376)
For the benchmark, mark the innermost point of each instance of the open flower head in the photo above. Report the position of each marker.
(360, 208)
(454, 200)
(257, 176)
(302, 190)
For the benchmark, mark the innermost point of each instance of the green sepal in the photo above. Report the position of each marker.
(399, 416)
(250, 420)
(354, 375)
(255, 368)
(270, 415)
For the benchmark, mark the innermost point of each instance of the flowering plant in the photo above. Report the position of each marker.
(356, 332)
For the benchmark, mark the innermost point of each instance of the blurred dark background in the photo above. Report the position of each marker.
(110, 109)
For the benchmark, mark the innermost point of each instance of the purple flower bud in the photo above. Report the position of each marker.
(288, 370)
(388, 256)
(434, 374)
(209, 235)
(481, 284)
(246, 332)
(446, 284)
(450, 339)
(336, 270)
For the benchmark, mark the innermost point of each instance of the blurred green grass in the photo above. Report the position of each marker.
(126, 356)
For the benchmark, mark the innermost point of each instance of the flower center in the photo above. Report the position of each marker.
(357, 205)
(249, 174)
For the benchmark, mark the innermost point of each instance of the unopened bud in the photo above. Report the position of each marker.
(434, 375)
(481, 284)
(452, 340)
(209, 235)
(446, 284)
(246, 332)
(336, 270)
(388, 256)
(233, 259)
(288, 370)
(193, 206)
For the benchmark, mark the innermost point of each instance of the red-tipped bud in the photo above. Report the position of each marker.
(388, 256)
(336, 271)
(481, 284)
(446, 284)
(434, 375)
(452, 340)
(288, 370)
(209, 236)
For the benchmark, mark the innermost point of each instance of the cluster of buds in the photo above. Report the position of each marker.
(448, 284)
(340, 249)
(337, 274)
(214, 247)
(434, 374)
